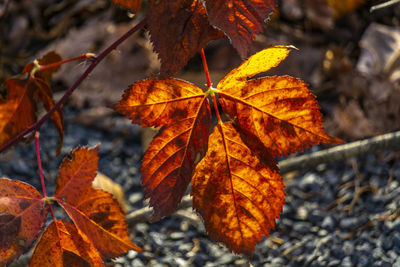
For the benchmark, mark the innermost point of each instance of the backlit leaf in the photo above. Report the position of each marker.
(156, 103)
(40, 84)
(77, 174)
(23, 213)
(63, 245)
(279, 111)
(18, 110)
(178, 29)
(133, 5)
(241, 20)
(238, 196)
(169, 161)
(98, 215)
(94, 212)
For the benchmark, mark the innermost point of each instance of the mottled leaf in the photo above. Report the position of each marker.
(178, 29)
(23, 213)
(63, 245)
(169, 161)
(241, 20)
(77, 174)
(238, 195)
(17, 112)
(279, 111)
(97, 214)
(94, 212)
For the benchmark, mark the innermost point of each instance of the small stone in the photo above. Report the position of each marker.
(302, 227)
(396, 239)
(322, 232)
(377, 253)
(137, 263)
(346, 262)
(177, 235)
(328, 223)
(131, 254)
(349, 223)
(348, 248)
(135, 197)
(333, 263)
(387, 243)
(302, 213)
(363, 261)
(181, 262)
(277, 262)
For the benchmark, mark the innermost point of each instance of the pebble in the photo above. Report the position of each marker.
(349, 223)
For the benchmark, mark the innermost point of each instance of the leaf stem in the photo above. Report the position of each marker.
(37, 135)
(59, 63)
(203, 58)
(211, 90)
(96, 60)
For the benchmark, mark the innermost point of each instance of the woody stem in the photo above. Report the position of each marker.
(209, 84)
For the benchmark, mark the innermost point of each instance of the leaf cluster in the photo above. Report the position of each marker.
(236, 186)
(98, 230)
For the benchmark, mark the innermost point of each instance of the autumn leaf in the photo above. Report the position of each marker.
(94, 212)
(23, 213)
(241, 20)
(76, 175)
(279, 111)
(178, 29)
(236, 187)
(63, 245)
(133, 5)
(18, 111)
(237, 194)
(169, 161)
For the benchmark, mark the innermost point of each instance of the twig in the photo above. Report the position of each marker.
(340, 152)
(383, 5)
(96, 60)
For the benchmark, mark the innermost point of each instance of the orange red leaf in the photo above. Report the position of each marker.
(169, 161)
(133, 5)
(23, 213)
(94, 212)
(98, 215)
(18, 111)
(279, 111)
(178, 29)
(76, 175)
(238, 195)
(241, 20)
(63, 245)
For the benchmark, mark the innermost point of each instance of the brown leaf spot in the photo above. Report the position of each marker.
(9, 229)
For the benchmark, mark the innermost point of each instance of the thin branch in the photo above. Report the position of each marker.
(341, 152)
(383, 5)
(96, 60)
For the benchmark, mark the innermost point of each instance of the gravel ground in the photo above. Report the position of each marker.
(341, 214)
